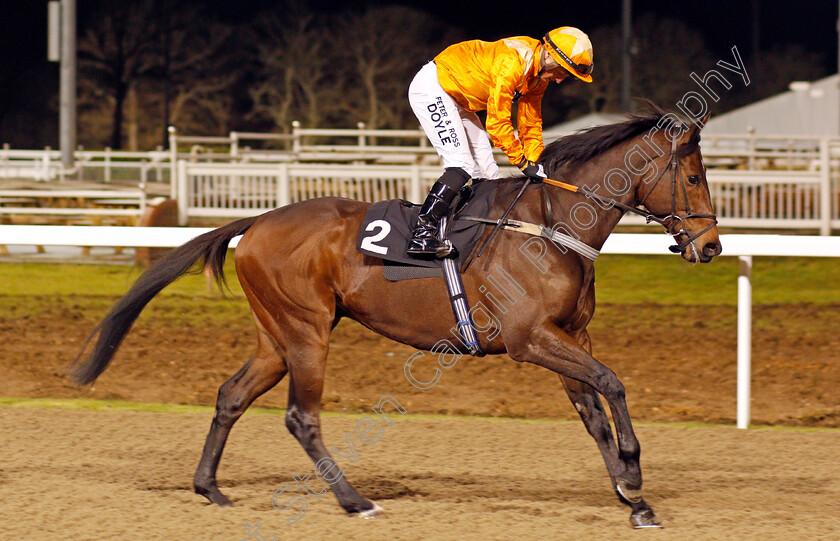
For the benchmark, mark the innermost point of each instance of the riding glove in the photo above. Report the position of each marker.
(532, 170)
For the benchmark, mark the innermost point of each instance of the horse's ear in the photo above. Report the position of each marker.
(696, 127)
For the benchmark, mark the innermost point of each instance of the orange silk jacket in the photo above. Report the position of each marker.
(482, 75)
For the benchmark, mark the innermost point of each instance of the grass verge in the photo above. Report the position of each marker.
(86, 404)
(620, 280)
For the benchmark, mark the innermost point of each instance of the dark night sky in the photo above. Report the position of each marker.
(29, 85)
(723, 23)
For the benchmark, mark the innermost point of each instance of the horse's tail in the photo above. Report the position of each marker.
(210, 249)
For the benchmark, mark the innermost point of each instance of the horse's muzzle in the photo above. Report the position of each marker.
(709, 251)
(712, 249)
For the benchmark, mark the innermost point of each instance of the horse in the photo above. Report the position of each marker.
(301, 274)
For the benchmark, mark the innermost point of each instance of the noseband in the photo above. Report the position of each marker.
(673, 222)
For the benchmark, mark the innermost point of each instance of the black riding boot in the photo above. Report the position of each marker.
(424, 237)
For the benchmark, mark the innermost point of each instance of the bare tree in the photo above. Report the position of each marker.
(200, 71)
(117, 51)
(296, 71)
(169, 57)
(384, 47)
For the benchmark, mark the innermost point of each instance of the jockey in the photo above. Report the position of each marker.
(476, 76)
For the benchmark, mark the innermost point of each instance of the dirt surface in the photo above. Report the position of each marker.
(678, 363)
(80, 475)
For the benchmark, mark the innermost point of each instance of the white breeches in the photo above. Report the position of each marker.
(457, 134)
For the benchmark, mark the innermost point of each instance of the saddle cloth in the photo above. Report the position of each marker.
(386, 231)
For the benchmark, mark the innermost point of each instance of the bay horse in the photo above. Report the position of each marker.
(301, 273)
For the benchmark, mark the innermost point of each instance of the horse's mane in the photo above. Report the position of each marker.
(588, 143)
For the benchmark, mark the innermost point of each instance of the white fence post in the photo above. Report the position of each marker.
(143, 198)
(283, 194)
(46, 164)
(107, 164)
(81, 161)
(157, 163)
(144, 174)
(751, 147)
(744, 339)
(295, 137)
(415, 194)
(181, 183)
(173, 162)
(4, 159)
(234, 145)
(362, 140)
(825, 187)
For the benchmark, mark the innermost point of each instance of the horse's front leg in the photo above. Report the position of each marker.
(552, 348)
(588, 405)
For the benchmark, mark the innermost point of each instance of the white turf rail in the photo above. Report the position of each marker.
(742, 246)
(618, 243)
(79, 235)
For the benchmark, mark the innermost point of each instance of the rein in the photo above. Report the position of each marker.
(500, 222)
(666, 221)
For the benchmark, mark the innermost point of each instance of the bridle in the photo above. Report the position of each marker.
(673, 222)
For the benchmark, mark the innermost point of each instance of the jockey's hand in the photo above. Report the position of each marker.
(532, 170)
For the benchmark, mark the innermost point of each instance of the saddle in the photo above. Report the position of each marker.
(386, 231)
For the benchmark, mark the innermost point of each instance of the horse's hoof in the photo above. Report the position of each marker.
(644, 519)
(215, 496)
(371, 513)
(631, 493)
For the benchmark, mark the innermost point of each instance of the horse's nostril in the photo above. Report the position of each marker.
(712, 249)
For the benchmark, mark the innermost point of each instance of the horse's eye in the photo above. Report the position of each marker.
(694, 180)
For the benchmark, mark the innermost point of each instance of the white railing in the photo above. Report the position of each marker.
(105, 202)
(757, 199)
(236, 190)
(770, 199)
(756, 181)
(749, 151)
(104, 166)
(745, 247)
(40, 165)
(763, 152)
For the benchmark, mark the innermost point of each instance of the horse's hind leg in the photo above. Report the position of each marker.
(307, 365)
(257, 376)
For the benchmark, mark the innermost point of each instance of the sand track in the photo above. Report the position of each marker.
(81, 475)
